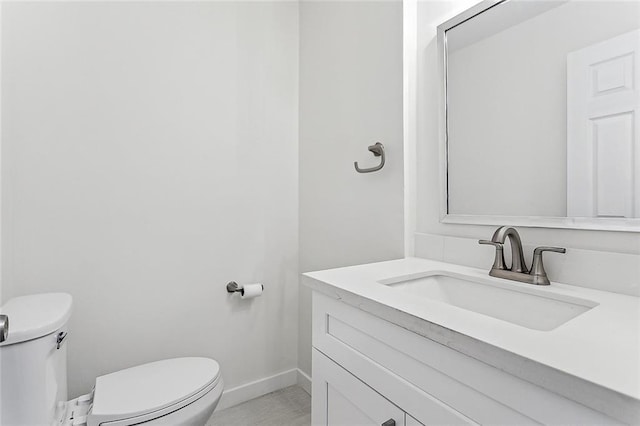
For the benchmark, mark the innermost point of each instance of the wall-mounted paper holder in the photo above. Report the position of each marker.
(378, 150)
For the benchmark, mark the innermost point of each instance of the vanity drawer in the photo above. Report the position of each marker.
(348, 400)
(415, 371)
(432, 411)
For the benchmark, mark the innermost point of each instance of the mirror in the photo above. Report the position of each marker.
(541, 118)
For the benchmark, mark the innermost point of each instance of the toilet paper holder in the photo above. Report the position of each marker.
(234, 287)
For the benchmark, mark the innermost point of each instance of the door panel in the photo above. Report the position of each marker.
(347, 400)
(603, 129)
(410, 421)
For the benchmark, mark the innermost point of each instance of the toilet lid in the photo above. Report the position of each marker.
(36, 315)
(151, 387)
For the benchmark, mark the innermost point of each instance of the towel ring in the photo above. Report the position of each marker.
(378, 150)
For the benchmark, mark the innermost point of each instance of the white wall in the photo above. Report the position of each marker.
(507, 100)
(350, 97)
(149, 157)
(1, 201)
(429, 15)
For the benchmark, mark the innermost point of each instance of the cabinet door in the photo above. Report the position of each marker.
(412, 422)
(340, 399)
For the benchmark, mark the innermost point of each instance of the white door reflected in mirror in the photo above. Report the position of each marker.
(603, 135)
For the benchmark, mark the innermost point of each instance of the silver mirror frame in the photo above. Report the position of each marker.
(596, 224)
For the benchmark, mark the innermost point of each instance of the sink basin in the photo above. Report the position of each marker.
(533, 308)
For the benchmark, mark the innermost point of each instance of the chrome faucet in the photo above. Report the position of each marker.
(518, 270)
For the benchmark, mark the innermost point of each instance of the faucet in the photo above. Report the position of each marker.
(517, 256)
(518, 270)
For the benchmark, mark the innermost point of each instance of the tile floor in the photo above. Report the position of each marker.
(286, 407)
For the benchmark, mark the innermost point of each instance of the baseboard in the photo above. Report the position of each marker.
(243, 393)
(304, 381)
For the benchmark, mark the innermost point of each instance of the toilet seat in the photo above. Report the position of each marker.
(151, 390)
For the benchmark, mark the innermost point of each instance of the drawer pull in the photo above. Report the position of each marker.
(389, 422)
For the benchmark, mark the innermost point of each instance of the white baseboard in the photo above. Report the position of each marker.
(243, 393)
(304, 381)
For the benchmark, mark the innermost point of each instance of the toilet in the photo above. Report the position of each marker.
(33, 377)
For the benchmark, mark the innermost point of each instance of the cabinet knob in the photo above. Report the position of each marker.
(389, 422)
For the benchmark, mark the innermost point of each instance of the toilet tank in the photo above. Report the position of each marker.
(33, 359)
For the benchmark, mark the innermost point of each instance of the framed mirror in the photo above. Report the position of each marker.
(540, 120)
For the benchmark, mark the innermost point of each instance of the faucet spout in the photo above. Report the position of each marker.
(517, 256)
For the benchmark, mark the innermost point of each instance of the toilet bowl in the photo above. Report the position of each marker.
(33, 366)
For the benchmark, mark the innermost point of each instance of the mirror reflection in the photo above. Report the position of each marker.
(543, 110)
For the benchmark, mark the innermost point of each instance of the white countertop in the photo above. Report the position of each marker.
(600, 347)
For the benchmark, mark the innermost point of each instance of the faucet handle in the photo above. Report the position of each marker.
(537, 268)
(539, 250)
(498, 262)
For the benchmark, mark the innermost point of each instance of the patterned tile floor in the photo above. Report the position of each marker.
(286, 407)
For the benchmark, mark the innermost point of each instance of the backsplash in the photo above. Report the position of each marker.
(600, 270)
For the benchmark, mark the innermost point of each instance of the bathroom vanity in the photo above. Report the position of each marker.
(538, 126)
(417, 341)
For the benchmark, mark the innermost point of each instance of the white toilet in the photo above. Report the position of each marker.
(33, 377)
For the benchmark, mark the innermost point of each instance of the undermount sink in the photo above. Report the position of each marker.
(528, 307)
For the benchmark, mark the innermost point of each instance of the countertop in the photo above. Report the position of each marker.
(593, 358)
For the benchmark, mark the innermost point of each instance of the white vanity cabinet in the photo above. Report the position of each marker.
(368, 371)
